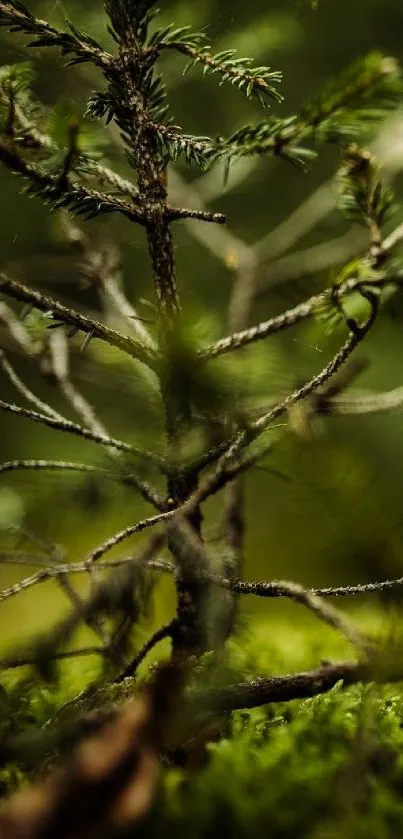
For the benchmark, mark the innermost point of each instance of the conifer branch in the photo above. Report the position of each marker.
(60, 193)
(55, 572)
(239, 72)
(51, 465)
(82, 323)
(345, 108)
(128, 478)
(299, 313)
(124, 534)
(78, 430)
(16, 17)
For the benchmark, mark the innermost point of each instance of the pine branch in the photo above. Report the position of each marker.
(16, 17)
(82, 323)
(239, 72)
(345, 109)
(298, 313)
(364, 198)
(63, 194)
(26, 134)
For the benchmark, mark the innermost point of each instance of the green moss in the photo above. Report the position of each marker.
(324, 768)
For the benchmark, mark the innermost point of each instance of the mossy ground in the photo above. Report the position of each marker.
(323, 768)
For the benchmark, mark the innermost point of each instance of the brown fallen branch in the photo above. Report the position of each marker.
(268, 689)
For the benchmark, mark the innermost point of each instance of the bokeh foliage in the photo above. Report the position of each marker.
(329, 510)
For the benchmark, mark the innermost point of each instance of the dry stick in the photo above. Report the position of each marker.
(56, 572)
(260, 588)
(70, 317)
(276, 588)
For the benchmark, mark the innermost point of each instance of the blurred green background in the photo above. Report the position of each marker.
(334, 513)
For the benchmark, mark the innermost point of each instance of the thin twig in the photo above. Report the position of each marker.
(120, 537)
(56, 465)
(296, 592)
(228, 465)
(131, 669)
(81, 322)
(78, 430)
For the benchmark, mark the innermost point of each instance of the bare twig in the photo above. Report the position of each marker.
(296, 592)
(120, 537)
(56, 465)
(162, 633)
(66, 315)
(78, 430)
